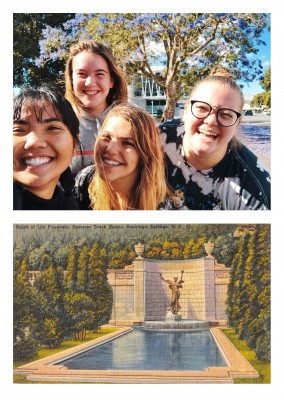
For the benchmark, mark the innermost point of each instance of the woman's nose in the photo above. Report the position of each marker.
(212, 118)
(89, 81)
(35, 139)
(113, 146)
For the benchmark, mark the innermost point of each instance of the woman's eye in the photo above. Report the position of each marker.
(202, 109)
(17, 129)
(226, 114)
(54, 128)
(106, 138)
(127, 143)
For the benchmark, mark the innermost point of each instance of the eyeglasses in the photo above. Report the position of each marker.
(225, 116)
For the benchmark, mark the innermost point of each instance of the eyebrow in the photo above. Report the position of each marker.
(44, 121)
(96, 70)
(120, 138)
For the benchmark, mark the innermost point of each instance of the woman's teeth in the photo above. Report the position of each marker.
(211, 134)
(111, 162)
(36, 161)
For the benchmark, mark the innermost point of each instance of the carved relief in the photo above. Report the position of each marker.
(124, 276)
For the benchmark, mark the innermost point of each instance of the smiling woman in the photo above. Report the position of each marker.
(206, 164)
(45, 132)
(129, 172)
(94, 85)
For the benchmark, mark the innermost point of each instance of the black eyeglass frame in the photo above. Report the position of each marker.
(218, 110)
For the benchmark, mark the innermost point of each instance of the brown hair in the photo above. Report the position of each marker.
(221, 75)
(118, 93)
(151, 188)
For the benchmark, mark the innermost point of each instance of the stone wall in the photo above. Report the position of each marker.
(141, 295)
(122, 283)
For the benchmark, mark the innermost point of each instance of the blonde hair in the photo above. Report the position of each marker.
(151, 187)
(118, 93)
(221, 75)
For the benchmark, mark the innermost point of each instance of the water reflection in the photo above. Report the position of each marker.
(152, 350)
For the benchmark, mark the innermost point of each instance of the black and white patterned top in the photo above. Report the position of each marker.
(238, 182)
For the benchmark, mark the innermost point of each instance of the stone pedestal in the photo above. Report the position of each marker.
(172, 316)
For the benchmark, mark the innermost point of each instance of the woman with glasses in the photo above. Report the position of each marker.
(206, 164)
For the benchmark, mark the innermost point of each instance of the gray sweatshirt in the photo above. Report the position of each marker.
(89, 129)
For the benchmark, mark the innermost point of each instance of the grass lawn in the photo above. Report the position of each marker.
(64, 346)
(263, 368)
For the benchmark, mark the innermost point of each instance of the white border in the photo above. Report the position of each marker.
(8, 217)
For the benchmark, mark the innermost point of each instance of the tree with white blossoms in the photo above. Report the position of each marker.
(188, 45)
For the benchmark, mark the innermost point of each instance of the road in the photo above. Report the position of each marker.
(260, 119)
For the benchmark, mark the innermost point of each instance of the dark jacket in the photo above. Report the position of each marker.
(25, 200)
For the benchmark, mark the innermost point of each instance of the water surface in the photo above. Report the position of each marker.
(152, 350)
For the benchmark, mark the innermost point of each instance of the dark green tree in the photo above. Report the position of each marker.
(236, 298)
(264, 99)
(80, 313)
(98, 287)
(249, 291)
(225, 249)
(71, 276)
(24, 319)
(259, 329)
(27, 33)
(52, 326)
(83, 269)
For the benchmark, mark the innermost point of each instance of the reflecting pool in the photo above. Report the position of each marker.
(152, 350)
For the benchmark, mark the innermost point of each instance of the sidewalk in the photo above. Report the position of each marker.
(259, 119)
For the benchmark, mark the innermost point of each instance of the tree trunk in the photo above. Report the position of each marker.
(171, 101)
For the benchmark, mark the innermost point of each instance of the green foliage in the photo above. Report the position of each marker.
(264, 99)
(73, 295)
(187, 44)
(29, 27)
(80, 312)
(194, 248)
(248, 303)
(25, 348)
(225, 249)
(51, 325)
(262, 367)
(266, 81)
(24, 304)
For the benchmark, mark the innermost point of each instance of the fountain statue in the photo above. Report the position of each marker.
(175, 287)
(173, 318)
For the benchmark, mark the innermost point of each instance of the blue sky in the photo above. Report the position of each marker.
(265, 56)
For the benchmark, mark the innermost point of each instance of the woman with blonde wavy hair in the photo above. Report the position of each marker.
(129, 167)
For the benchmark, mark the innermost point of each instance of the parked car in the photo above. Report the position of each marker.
(266, 112)
(176, 121)
(248, 112)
